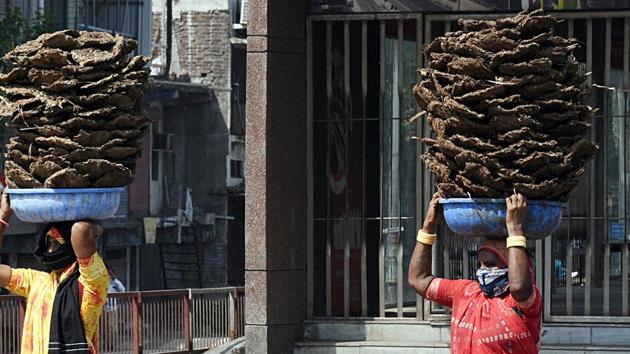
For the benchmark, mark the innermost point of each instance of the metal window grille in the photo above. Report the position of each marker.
(368, 190)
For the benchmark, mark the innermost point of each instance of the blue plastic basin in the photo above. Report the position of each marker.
(48, 205)
(486, 217)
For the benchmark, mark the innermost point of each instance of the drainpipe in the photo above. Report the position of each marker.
(169, 37)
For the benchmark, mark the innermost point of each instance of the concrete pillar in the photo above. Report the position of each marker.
(275, 199)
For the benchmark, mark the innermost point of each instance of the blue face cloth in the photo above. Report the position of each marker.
(493, 282)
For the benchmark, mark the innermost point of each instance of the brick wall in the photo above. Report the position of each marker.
(204, 45)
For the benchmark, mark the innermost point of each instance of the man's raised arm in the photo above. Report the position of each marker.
(84, 235)
(521, 286)
(420, 272)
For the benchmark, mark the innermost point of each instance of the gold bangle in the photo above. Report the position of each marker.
(516, 241)
(425, 238)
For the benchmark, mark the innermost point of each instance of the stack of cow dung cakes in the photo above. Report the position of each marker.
(505, 101)
(74, 99)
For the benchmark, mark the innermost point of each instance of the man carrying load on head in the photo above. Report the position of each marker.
(499, 313)
(64, 304)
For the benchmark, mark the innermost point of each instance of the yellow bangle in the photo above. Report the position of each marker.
(425, 238)
(516, 241)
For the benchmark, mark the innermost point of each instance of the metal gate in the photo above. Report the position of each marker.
(368, 190)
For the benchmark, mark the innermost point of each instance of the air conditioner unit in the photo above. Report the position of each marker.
(244, 11)
(163, 142)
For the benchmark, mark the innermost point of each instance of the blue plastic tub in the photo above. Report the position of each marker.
(486, 217)
(48, 205)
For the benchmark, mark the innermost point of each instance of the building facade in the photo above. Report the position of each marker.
(352, 224)
(180, 223)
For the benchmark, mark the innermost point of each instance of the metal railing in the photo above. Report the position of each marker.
(157, 322)
(11, 313)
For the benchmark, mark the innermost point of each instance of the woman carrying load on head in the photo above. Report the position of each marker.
(65, 302)
(501, 312)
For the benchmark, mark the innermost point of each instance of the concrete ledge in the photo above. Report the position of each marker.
(408, 347)
(578, 335)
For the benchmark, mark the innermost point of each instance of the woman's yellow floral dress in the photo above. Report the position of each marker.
(39, 289)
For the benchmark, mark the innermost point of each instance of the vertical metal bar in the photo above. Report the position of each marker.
(154, 310)
(211, 320)
(188, 338)
(206, 317)
(221, 318)
(171, 308)
(607, 58)
(364, 69)
(165, 309)
(346, 236)
(381, 247)
(447, 26)
(309, 169)
(591, 177)
(569, 249)
(232, 312)
(128, 265)
(399, 255)
(217, 319)
(606, 285)
(199, 326)
(607, 51)
(150, 319)
(626, 55)
(419, 166)
(569, 268)
(447, 261)
(540, 267)
(466, 256)
(328, 100)
(224, 319)
(137, 268)
(219, 310)
(76, 14)
(548, 275)
(208, 321)
(626, 86)
(426, 178)
(136, 331)
(21, 314)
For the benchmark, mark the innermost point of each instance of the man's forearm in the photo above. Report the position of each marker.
(421, 264)
(420, 272)
(83, 240)
(519, 274)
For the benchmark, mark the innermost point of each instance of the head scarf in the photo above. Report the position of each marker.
(64, 256)
(496, 247)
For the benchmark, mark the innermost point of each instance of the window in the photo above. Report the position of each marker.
(236, 169)
(155, 165)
